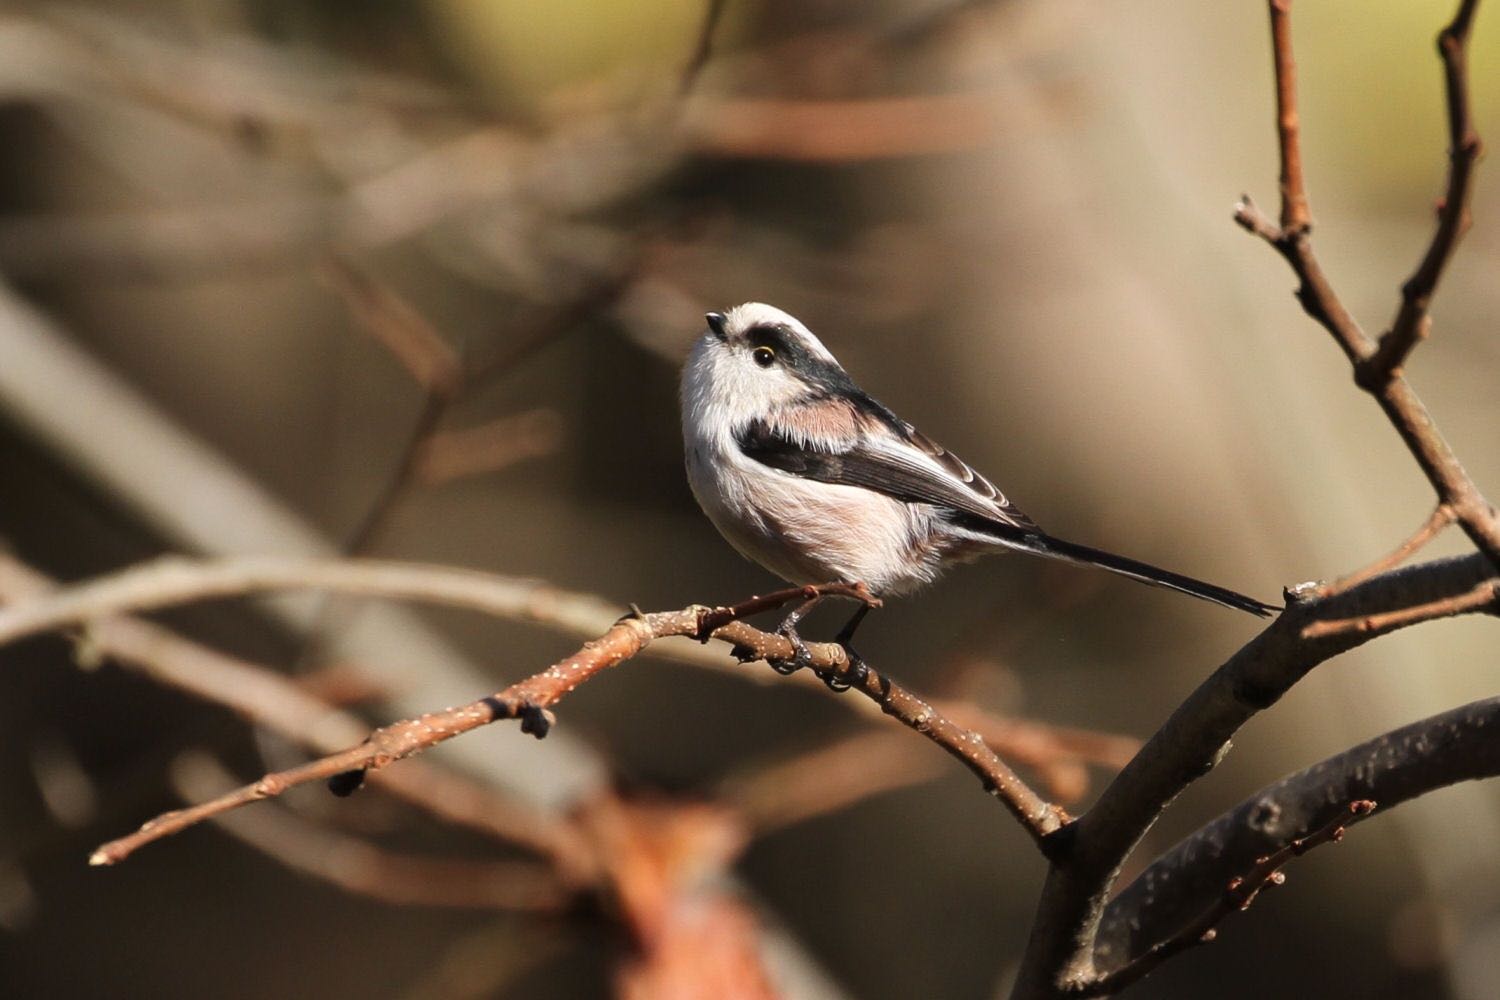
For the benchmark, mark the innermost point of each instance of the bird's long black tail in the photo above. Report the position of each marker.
(1056, 548)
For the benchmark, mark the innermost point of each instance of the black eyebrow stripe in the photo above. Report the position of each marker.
(824, 378)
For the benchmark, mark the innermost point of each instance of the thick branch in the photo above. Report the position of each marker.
(1236, 896)
(1458, 745)
(1191, 742)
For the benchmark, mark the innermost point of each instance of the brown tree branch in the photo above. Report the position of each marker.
(1481, 598)
(1235, 897)
(1457, 745)
(359, 867)
(486, 447)
(266, 698)
(1440, 518)
(1376, 368)
(1060, 957)
(835, 776)
(1296, 217)
(1464, 148)
(1190, 743)
(531, 701)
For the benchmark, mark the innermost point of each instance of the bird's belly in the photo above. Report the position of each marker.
(811, 532)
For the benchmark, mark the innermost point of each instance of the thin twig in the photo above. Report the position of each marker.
(1295, 215)
(1412, 322)
(1237, 896)
(713, 11)
(1377, 367)
(1440, 518)
(359, 867)
(531, 701)
(269, 699)
(1483, 596)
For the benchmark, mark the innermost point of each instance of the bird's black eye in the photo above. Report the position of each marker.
(764, 356)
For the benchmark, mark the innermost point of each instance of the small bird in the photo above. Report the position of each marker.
(806, 474)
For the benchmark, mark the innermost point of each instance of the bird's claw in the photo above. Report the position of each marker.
(801, 655)
(854, 673)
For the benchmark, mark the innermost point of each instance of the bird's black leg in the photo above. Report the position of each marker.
(788, 630)
(856, 671)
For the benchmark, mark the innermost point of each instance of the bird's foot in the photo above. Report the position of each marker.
(854, 673)
(801, 655)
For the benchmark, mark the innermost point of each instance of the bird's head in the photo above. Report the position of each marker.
(754, 360)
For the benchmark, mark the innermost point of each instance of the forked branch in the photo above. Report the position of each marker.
(530, 701)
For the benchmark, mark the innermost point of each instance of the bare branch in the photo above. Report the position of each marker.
(399, 328)
(1376, 369)
(1440, 518)
(265, 698)
(366, 870)
(1236, 896)
(1296, 218)
(1190, 743)
(713, 11)
(1481, 598)
(1464, 148)
(1458, 745)
(530, 701)
(488, 447)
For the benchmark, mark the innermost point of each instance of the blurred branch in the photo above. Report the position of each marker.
(843, 131)
(488, 447)
(713, 10)
(825, 780)
(397, 326)
(366, 870)
(265, 698)
(1237, 895)
(1457, 745)
(126, 447)
(835, 776)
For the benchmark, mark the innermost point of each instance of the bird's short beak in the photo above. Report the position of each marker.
(716, 324)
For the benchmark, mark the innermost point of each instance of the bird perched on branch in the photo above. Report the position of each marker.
(809, 476)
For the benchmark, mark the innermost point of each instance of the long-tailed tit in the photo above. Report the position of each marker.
(807, 475)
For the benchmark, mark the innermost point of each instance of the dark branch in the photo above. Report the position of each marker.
(1236, 896)
(1190, 743)
(1458, 745)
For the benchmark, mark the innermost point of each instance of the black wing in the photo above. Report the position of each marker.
(887, 465)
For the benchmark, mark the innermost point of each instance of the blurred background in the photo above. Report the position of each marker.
(415, 280)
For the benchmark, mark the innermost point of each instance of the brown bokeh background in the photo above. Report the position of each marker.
(1012, 223)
